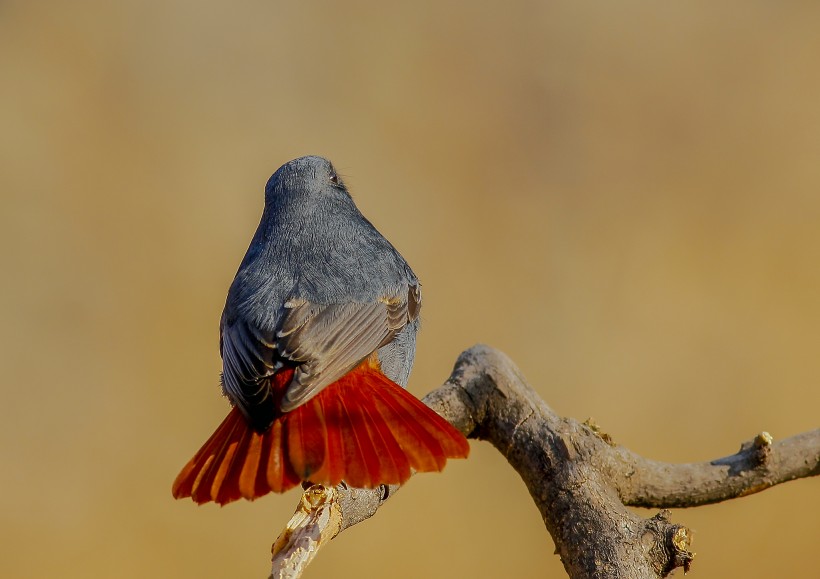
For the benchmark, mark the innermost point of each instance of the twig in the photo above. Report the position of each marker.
(322, 513)
(318, 518)
(758, 465)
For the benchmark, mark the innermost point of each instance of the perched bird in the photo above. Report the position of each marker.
(317, 339)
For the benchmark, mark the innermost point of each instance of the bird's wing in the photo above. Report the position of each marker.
(325, 341)
(248, 357)
(330, 340)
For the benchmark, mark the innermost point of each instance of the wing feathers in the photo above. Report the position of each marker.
(326, 340)
(338, 339)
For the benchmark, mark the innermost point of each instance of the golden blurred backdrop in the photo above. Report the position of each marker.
(624, 197)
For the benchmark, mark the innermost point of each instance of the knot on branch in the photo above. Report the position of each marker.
(754, 455)
(762, 447)
(667, 544)
(598, 431)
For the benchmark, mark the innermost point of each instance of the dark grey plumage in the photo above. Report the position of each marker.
(319, 290)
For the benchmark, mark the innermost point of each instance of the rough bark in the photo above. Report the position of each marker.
(579, 479)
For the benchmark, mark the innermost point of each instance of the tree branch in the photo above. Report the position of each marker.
(580, 481)
(758, 465)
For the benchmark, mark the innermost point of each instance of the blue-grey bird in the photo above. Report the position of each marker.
(317, 339)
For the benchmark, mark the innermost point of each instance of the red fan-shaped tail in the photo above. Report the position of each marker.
(363, 429)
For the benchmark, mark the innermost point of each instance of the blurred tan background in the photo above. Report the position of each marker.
(624, 197)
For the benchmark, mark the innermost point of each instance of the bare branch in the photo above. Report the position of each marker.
(757, 466)
(580, 481)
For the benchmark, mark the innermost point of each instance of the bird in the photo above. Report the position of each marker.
(317, 339)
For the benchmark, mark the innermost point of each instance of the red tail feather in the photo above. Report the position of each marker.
(363, 429)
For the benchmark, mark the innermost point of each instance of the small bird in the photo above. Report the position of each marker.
(317, 340)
